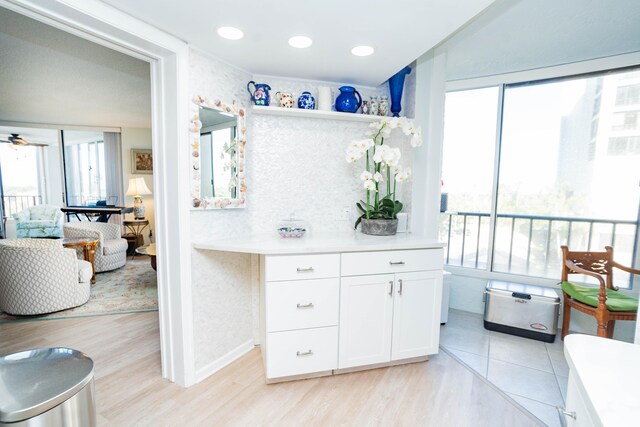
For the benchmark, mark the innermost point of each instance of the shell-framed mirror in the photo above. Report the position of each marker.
(218, 139)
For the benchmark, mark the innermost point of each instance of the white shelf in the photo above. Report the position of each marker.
(314, 114)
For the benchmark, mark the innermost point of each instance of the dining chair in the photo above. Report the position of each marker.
(605, 302)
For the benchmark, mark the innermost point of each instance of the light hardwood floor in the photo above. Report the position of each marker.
(130, 390)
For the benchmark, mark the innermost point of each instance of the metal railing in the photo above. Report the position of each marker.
(530, 244)
(14, 204)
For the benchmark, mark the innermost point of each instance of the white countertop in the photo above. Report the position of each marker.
(273, 244)
(608, 373)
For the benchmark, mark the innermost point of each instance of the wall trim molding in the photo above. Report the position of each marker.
(214, 366)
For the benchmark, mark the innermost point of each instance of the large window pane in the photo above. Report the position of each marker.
(84, 167)
(568, 172)
(467, 174)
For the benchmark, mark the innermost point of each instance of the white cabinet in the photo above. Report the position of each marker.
(576, 413)
(324, 312)
(366, 320)
(416, 314)
(389, 317)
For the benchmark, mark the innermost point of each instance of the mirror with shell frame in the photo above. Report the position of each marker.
(218, 139)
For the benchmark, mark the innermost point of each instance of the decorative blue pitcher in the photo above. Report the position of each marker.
(346, 101)
(306, 101)
(396, 84)
(260, 93)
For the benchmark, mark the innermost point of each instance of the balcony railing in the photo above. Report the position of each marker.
(530, 244)
(14, 204)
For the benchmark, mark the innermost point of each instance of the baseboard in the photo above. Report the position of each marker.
(216, 365)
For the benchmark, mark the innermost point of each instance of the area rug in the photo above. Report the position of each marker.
(130, 289)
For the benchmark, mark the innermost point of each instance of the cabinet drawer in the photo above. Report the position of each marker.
(302, 352)
(295, 267)
(300, 304)
(365, 263)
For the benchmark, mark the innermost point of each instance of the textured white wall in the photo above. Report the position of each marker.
(293, 165)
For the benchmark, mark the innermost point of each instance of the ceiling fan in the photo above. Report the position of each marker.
(18, 141)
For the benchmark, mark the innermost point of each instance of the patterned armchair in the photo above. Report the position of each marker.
(39, 221)
(111, 252)
(39, 276)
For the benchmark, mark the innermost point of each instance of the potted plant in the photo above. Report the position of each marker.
(382, 174)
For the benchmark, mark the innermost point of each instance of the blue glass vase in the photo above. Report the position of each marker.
(347, 102)
(396, 85)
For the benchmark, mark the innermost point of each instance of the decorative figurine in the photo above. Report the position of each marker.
(373, 106)
(383, 106)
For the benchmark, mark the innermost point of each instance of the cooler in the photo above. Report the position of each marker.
(524, 310)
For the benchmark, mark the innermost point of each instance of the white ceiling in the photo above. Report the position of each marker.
(399, 30)
(51, 77)
(527, 34)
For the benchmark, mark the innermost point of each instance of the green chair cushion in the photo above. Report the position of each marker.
(616, 301)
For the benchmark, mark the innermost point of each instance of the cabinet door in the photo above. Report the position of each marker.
(366, 315)
(416, 314)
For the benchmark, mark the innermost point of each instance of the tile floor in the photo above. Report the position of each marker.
(532, 373)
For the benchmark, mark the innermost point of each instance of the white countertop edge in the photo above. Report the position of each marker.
(607, 374)
(270, 244)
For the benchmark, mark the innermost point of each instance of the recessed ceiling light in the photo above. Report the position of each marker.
(230, 33)
(300, 42)
(362, 50)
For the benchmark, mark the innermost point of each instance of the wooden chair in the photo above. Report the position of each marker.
(605, 303)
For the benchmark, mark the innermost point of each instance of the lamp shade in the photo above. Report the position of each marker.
(137, 187)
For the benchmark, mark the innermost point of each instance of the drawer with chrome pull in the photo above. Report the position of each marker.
(301, 304)
(365, 263)
(296, 267)
(301, 352)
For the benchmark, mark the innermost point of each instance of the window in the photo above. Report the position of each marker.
(624, 145)
(628, 95)
(627, 120)
(565, 175)
(84, 167)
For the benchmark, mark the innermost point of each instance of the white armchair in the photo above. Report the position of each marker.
(39, 221)
(111, 252)
(39, 276)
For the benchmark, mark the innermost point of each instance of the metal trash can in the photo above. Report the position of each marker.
(50, 387)
(524, 310)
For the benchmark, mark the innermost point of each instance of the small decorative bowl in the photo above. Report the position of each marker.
(291, 231)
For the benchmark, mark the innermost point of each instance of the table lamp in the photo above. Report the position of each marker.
(137, 189)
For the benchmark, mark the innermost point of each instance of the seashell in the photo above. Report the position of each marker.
(196, 125)
(196, 203)
(197, 99)
(195, 153)
(217, 102)
(241, 112)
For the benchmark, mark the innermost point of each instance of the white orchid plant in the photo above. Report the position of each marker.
(382, 167)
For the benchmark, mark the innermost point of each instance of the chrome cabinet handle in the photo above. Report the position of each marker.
(396, 262)
(308, 305)
(390, 287)
(563, 414)
(304, 353)
(400, 287)
(300, 270)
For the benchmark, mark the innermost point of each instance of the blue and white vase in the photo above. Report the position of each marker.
(306, 101)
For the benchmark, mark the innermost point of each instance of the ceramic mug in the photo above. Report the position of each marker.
(325, 99)
(285, 99)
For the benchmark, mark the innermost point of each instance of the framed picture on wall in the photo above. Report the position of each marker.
(141, 161)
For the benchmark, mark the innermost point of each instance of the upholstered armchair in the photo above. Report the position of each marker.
(111, 252)
(39, 221)
(39, 276)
